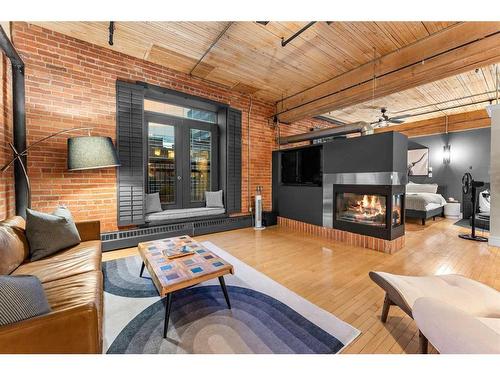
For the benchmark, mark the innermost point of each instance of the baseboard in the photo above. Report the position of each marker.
(130, 238)
(494, 241)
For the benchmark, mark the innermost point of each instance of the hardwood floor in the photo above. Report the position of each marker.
(334, 276)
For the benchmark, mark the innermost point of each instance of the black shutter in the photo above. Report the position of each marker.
(233, 154)
(130, 141)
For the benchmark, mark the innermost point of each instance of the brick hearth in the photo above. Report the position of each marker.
(385, 246)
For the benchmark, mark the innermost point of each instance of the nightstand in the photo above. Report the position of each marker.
(452, 210)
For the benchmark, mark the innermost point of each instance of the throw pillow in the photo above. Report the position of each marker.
(153, 203)
(214, 199)
(21, 297)
(47, 234)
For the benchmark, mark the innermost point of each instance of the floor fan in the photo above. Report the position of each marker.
(469, 185)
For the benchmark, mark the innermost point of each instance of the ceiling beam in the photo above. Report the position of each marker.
(457, 49)
(456, 123)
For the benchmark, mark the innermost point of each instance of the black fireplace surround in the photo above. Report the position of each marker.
(374, 166)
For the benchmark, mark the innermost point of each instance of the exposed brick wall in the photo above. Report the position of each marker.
(6, 178)
(71, 83)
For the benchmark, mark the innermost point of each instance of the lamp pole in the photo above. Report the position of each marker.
(19, 156)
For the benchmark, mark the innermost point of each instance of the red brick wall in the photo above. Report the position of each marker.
(71, 83)
(6, 178)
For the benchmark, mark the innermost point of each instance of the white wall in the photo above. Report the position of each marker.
(494, 111)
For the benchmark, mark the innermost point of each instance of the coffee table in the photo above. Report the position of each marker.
(170, 275)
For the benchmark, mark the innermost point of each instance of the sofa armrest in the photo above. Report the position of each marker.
(89, 230)
(73, 330)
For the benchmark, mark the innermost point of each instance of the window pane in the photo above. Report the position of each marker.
(161, 163)
(175, 110)
(200, 156)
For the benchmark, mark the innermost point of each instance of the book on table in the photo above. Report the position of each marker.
(179, 247)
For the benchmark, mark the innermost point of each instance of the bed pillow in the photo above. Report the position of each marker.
(21, 297)
(153, 203)
(484, 202)
(412, 187)
(214, 199)
(49, 233)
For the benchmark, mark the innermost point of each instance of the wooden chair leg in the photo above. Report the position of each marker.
(423, 343)
(385, 308)
(423, 221)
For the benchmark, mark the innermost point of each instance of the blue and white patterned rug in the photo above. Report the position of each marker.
(265, 317)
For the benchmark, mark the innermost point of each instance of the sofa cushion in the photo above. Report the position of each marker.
(48, 234)
(81, 258)
(77, 290)
(21, 298)
(14, 248)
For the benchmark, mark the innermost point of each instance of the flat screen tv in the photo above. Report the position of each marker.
(302, 167)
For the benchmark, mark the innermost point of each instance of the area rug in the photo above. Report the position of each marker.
(265, 316)
(465, 223)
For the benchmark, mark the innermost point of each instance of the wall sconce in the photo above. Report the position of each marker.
(446, 154)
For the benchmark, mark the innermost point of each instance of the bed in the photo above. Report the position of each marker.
(423, 201)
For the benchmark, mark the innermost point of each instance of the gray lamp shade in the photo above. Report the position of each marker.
(91, 153)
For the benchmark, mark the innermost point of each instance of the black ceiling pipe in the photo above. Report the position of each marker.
(285, 42)
(19, 120)
(111, 29)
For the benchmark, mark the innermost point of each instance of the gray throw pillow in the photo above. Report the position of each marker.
(21, 297)
(47, 234)
(153, 203)
(214, 199)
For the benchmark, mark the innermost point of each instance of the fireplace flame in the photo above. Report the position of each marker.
(370, 206)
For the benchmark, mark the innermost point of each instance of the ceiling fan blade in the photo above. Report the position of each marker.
(400, 117)
(396, 121)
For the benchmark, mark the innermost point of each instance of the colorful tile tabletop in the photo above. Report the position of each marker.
(185, 270)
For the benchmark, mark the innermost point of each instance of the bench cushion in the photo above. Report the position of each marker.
(183, 213)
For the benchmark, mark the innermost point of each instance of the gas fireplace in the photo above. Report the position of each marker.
(361, 208)
(373, 207)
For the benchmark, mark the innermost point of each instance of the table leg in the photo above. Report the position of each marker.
(168, 306)
(224, 290)
(142, 269)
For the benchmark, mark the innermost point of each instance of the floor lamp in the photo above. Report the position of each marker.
(84, 152)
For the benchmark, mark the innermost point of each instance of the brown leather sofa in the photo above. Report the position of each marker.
(72, 280)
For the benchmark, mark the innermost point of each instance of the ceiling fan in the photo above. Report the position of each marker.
(384, 120)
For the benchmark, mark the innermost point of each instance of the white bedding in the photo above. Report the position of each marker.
(424, 201)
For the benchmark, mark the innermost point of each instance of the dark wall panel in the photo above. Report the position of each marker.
(303, 203)
(382, 152)
(470, 152)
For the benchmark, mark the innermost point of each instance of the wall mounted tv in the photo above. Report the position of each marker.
(302, 167)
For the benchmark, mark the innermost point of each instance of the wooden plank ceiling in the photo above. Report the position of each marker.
(465, 92)
(249, 56)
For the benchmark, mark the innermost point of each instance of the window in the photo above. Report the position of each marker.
(161, 161)
(182, 159)
(200, 155)
(178, 111)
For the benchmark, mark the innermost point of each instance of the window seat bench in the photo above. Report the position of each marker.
(182, 214)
